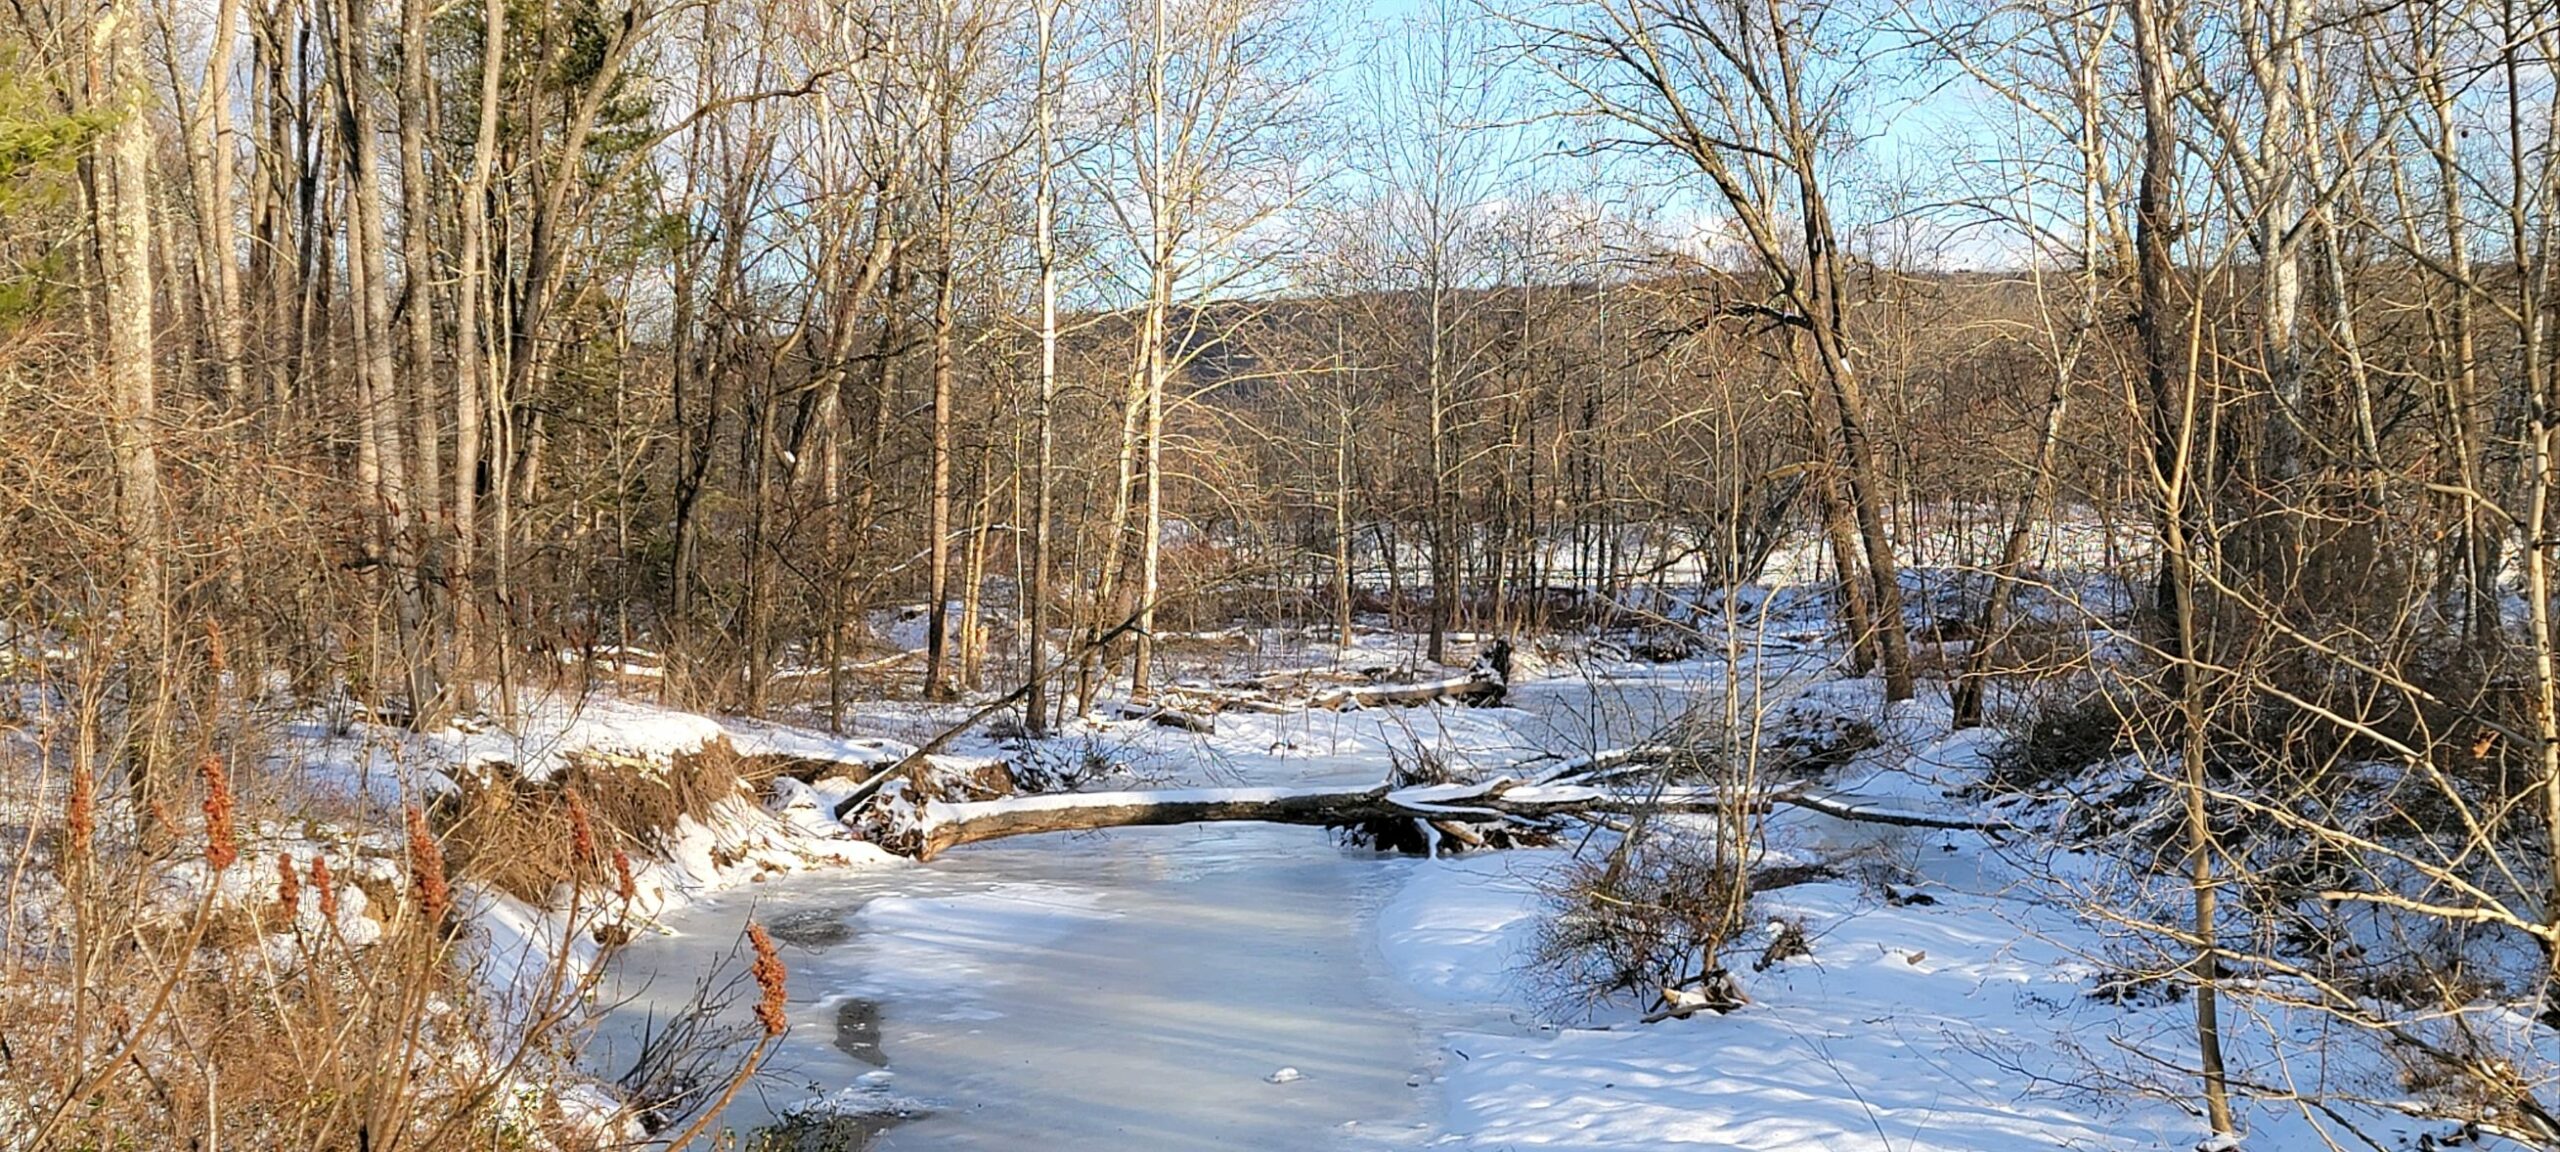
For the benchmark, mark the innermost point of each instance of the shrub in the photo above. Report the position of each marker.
(1653, 915)
(519, 834)
(2062, 735)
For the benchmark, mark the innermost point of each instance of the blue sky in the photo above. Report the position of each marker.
(1917, 131)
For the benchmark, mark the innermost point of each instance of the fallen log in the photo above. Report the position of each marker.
(880, 664)
(1475, 689)
(1276, 679)
(1498, 801)
(1166, 715)
(1205, 698)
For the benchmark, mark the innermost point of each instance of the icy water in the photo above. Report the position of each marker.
(1214, 986)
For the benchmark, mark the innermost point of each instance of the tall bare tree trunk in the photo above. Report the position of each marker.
(279, 253)
(884, 385)
(1863, 478)
(2173, 413)
(946, 94)
(973, 586)
(2539, 390)
(1151, 523)
(1341, 498)
(472, 374)
(210, 148)
(2013, 554)
(1114, 550)
(417, 265)
(938, 607)
(1441, 533)
(2037, 490)
(122, 222)
(516, 442)
(758, 604)
(1036, 609)
(836, 543)
(2482, 540)
(1159, 303)
(378, 386)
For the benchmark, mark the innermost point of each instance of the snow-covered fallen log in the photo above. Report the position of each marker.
(1200, 701)
(1299, 679)
(1614, 762)
(1499, 801)
(1205, 698)
(1474, 688)
(1165, 714)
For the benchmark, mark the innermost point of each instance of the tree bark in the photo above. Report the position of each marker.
(417, 266)
(937, 685)
(973, 586)
(212, 171)
(122, 222)
(378, 385)
(1342, 528)
(472, 375)
(1160, 228)
(1036, 606)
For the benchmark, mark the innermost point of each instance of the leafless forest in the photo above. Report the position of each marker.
(398, 363)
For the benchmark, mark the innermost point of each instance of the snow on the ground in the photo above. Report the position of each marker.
(1456, 931)
(1910, 1028)
(520, 956)
(545, 735)
(759, 738)
(329, 751)
(740, 838)
(1962, 1023)
(331, 785)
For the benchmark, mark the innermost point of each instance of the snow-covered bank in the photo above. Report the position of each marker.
(368, 880)
(1957, 1013)
(741, 837)
(1908, 1028)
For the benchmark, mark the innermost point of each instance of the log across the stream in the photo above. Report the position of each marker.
(1503, 799)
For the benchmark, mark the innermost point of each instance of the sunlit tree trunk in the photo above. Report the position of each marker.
(472, 373)
(1044, 238)
(938, 523)
(378, 384)
(417, 263)
(1152, 357)
(121, 221)
(210, 166)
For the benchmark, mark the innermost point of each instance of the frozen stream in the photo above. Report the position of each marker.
(1139, 988)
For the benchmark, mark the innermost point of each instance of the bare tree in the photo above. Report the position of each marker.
(121, 224)
(1044, 409)
(1745, 91)
(1433, 153)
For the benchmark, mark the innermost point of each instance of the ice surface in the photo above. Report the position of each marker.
(1127, 989)
(1133, 989)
